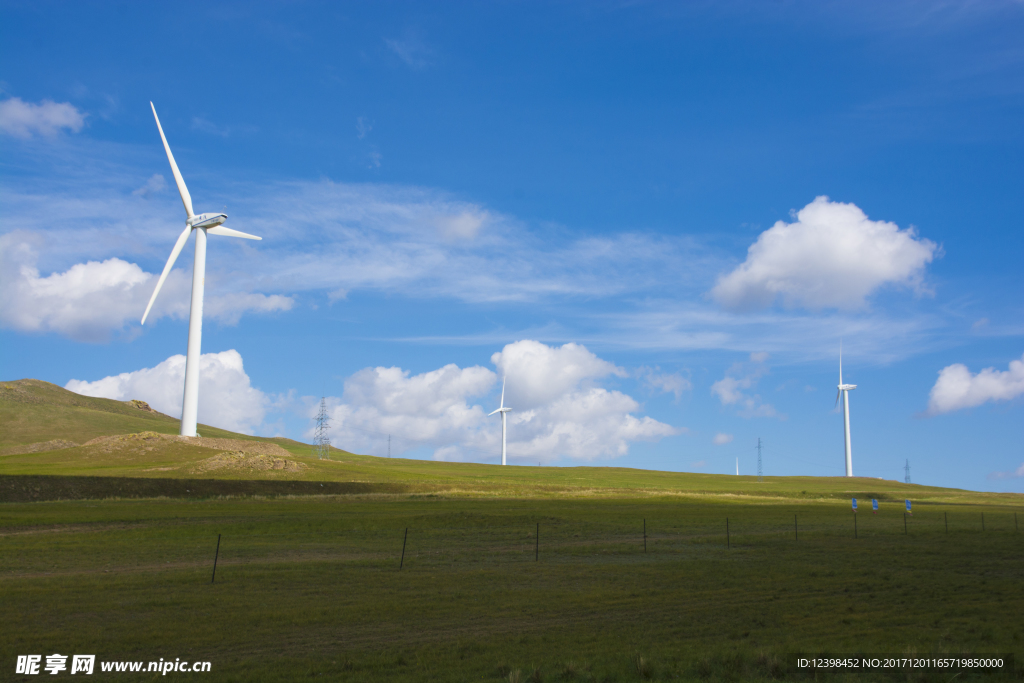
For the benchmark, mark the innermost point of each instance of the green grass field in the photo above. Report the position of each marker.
(309, 587)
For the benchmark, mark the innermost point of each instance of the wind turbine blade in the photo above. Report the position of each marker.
(502, 392)
(186, 198)
(228, 232)
(182, 238)
(838, 394)
(496, 411)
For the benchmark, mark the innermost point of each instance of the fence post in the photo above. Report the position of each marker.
(404, 539)
(728, 542)
(645, 535)
(215, 556)
(855, 525)
(536, 548)
(904, 523)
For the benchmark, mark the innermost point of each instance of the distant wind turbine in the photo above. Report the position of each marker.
(502, 409)
(202, 224)
(844, 391)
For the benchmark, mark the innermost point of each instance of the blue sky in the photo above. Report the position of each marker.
(658, 219)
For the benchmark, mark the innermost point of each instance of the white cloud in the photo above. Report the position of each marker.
(411, 50)
(156, 184)
(832, 256)
(1016, 474)
(628, 290)
(669, 383)
(410, 241)
(22, 119)
(228, 308)
(957, 388)
(227, 399)
(566, 416)
(731, 389)
(464, 225)
(207, 126)
(539, 374)
(363, 127)
(430, 409)
(721, 439)
(89, 301)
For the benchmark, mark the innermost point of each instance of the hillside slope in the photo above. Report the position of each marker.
(47, 430)
(35, 412)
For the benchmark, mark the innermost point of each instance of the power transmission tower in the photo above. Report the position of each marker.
(760, 476)
(907, 470)
(321, 439)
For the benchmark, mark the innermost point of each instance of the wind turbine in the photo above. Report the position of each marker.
(203, 224)
(502, 409)
(844, 391)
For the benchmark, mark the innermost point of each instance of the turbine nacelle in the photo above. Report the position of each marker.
(206, 220)
(847, 387)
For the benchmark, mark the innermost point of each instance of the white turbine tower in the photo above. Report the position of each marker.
(844, 391)
(202, 224)
(502, 409)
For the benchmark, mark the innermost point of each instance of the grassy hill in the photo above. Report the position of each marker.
(33, 411)
(35, 415)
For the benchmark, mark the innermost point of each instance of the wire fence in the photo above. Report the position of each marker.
(421, 544)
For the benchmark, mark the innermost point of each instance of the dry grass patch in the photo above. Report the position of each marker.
(246, 461)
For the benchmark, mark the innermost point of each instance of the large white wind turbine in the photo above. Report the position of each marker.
(202, 224)
(502, 409)
(844, 391)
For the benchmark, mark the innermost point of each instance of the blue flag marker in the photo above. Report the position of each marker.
(908, 508)
(874, 506)
(854, 504)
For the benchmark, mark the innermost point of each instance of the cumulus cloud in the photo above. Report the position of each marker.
(429, 409)
(86, 302)
(22, 119)
(957, 388)
(831, 256)
(721, 439)
(227, 398)
(91, 300)
(733, 389)
(538, 374)
(558, 408)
